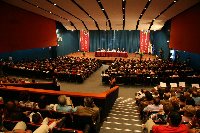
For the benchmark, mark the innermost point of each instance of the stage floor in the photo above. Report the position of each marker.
(130, 56)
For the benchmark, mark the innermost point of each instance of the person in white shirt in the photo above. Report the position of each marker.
(156, 107)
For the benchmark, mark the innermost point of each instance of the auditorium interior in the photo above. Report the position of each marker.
(100, 66)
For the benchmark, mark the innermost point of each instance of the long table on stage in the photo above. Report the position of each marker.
(111, 54)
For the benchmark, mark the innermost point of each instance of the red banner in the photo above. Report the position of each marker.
(84, 40)
(144, 41)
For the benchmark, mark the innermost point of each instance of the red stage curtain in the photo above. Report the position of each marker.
(84, 40)
(144, 41)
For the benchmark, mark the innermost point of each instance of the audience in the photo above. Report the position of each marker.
(175, 126)
(63, 68)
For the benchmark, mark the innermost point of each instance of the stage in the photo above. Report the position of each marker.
(134, 56)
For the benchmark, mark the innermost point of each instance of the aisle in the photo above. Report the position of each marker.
(123, 117)
(93, 84)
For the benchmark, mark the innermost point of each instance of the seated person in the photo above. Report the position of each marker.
(156, 106)
(175, 126)
(189, 112)
(20, 127)
(13, 113)
(114, 50)
(102, 50)
(62, 105)
(46, 124)
(194, 124)
(89, 108)
(43, 103)
(159, 118)
(118, 50)
(25, 100)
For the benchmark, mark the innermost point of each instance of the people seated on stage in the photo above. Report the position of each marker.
(98, 49)
(123, 50)
(113, 50)
(108, 50)
(118, 50)
(103, 50)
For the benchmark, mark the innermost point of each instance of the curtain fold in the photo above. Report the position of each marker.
(129, 40)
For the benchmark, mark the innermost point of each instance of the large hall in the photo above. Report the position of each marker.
(99, 66)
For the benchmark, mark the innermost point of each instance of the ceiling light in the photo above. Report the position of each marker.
(167, 40)
(145, 8)
(174, 1)
(123, 18)
(54, 4)
(154, 19)
(141, 14)
(102, 9)
(139, 19)
(49, 12)
(123, 0)
(149, 0)
(123, 8)
(99, 1)
(37, 6)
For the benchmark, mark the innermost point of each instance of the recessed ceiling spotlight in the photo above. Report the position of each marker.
(145, 8)
(37, 6)
(141, 14)
(102, 9)
(123, 18)
(154, 19)
(49, 12)
(54, 4)
(123, 8)
(175, 1)
(99, 1)
(123, 0)
(149, 0)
